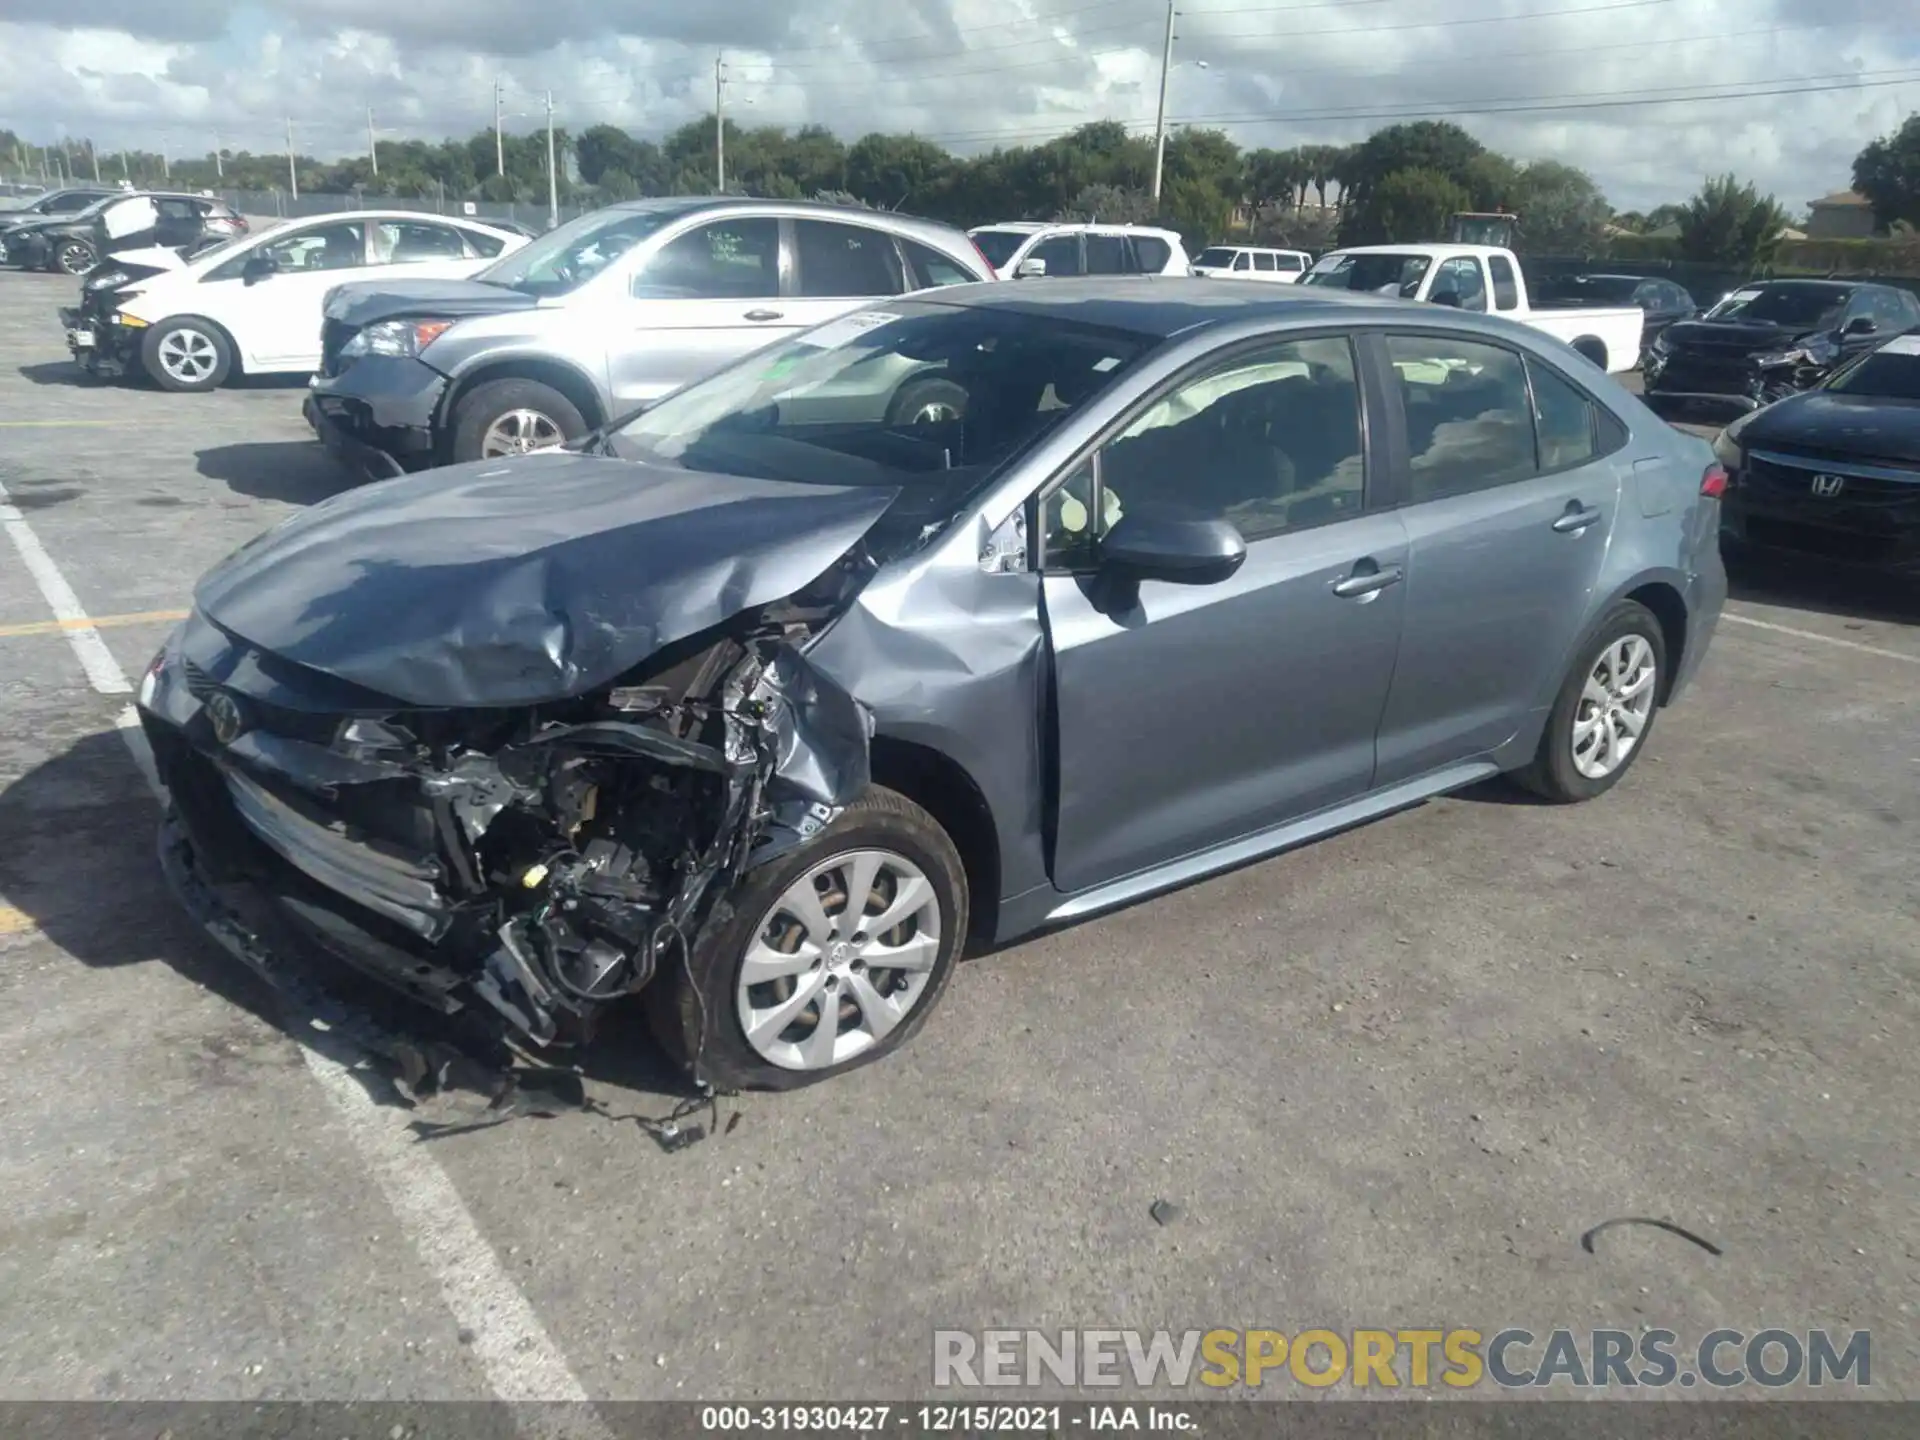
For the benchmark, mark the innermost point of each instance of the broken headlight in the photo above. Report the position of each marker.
(365, 738)
(111, 280)
(396, 337)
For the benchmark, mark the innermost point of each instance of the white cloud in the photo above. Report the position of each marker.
(1278, 72)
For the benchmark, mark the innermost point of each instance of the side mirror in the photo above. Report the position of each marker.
(1180, 549)
(1860, 325)
(258, 268)
(1030, 270)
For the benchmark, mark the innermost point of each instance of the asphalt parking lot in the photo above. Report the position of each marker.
(1387, 1080)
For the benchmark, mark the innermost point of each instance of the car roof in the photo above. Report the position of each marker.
(1809, 284)
(482, 221)
(1163, 306)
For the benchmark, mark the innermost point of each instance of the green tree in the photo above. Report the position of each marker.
(890, 170)
(1432, 145)
(602, 148)
(1731, 225)
(1561, 210)
(1111, 204)
(1413, 204)
(1887, 172)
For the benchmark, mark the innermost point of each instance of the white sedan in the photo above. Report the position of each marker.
(253, 305)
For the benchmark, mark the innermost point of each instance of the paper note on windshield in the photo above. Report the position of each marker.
(1902, 345)
(847, 328)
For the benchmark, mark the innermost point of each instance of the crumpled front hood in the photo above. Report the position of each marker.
(1867, 427)
(361, 302)
(1736, 336)
(527, 580)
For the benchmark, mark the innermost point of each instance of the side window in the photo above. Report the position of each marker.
(1564, 420)
(400, 242)
(1506, 287)
(1242, 261)
(845, 262)
(337, 246)
(1270, 441)
(483, 244)
(1648, 296)
(1888, 313)
(1460, 277)
(727, 260)
(1262, 260)
(1106, 255)
(1288, 264)
(1152, 253)
(931, 268)
(1061, 254)
(1467, 415)
(1067, 531)
(177, 210)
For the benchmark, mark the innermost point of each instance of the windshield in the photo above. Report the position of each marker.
(1398, 275)
(563, 260)
(1807, 307)
(1219, 256)
(998, 245)
(930, 398)
(1890, 373)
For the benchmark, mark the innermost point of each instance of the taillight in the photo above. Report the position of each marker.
(1713, 484)
(983, 257)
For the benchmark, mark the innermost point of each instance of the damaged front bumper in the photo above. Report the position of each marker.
(524, 869)
(98, 343)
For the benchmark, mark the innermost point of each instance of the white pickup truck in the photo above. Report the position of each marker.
(1484, 278)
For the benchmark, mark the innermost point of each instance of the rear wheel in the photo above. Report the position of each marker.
(827, 959)
(927, 402)
(513, 417)
(187, 355)
(1605, 710)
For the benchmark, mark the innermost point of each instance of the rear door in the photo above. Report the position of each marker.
(1509, 491)
(1187, 716)
(708, 295)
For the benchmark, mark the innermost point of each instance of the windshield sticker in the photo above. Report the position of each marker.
(1902, 345)
(847, 328)
(1103, 366)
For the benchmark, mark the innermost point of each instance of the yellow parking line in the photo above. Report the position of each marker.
(92, 622)
(15, 922)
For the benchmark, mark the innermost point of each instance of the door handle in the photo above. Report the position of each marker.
(1576, 520)
(763, 315)
(1364, 584)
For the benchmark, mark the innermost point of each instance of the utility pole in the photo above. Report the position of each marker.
(293, 175)
(125, 174)
(373, 145)
(1160, 124)
(219, 165)
(94, 155)
(719, 125)
(553, 173)
(499, 138)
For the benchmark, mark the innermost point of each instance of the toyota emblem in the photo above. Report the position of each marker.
(1828, 486)
(228, 721)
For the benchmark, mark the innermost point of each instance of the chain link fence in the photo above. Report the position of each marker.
(279, 205)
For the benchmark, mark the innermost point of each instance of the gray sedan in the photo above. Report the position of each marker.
(764, 704)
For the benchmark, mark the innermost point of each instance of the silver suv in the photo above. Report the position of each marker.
(600, 317)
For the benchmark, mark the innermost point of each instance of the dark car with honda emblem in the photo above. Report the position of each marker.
(1834, 473)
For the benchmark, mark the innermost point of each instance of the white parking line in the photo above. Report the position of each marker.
(520, 1359)
(1884, 654)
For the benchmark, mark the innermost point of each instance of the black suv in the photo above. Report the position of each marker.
(50, 208)
(1773, 338)
(74, 244)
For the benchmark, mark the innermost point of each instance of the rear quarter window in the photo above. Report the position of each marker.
(1152, 253)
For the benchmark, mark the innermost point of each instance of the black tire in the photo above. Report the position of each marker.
(1592, 349)
(71, 257)
(1552, 774)
(480, 407)
(199, 337)
(917, 401)
(693, 1004)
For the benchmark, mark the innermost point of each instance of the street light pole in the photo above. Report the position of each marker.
(553, 174)
(373, 145)
(719, 125)
(499, 136)
(293, 175)
(1160, 123)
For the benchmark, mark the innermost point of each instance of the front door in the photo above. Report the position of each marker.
(1508, 523)
(709, 295)
(276, 321)
(1188, 716)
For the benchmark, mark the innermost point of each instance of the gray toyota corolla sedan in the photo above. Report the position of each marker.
(764, 703)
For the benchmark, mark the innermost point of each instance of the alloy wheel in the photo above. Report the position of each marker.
(1615, 705)
(840, 960)
(188, 356)
(518, 432)
(75, 258)
(934, 412)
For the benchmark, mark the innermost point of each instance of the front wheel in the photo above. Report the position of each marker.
(827, 959)
(73, 257)
(1605, 710)
(513, 417)
(187, 355)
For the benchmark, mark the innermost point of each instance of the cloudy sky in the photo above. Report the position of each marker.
(1593, 82)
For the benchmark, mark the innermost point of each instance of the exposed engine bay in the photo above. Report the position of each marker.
(542, 861)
